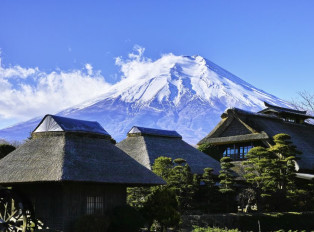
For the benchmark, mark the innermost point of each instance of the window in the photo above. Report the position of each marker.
(243, 151)
(290, 120)
(236, 152)
(95, 205)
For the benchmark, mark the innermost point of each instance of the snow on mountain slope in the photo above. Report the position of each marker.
(183, 93)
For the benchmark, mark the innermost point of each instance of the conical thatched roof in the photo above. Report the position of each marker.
(145, 145)
(84, 155)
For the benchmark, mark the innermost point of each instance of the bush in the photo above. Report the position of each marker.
(95, 223)
(125, 218)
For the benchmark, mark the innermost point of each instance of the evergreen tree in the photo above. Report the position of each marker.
(208, 178)
(271, 171)
(137, 196)
(162, 206)
(162, 167)
(182, 182)
(161, 203)
(260, 166)
(286, 154)
(226, 177)
(208, 191)
(227, 185)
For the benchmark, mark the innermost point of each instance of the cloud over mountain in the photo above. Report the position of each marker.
(29, 92)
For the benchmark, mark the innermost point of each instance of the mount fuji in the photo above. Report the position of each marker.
(182, 93)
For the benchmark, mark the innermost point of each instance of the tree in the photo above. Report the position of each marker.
(5, 149)
(260, 166)
(226, 186)
(161, 203)
(286, 154)
(305, 101)
(226, 177)
(181, 182)
(271, 172)
(162, 206)
(137, 196)
(246, 198)
(162, 167)
(208, 192)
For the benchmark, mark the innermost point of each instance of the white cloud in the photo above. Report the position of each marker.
(89, 69)
(16, 71)
(30, 92)
(136, 66)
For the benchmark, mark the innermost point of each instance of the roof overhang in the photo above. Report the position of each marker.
(238, 139)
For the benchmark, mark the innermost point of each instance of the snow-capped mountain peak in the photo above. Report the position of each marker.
(183, 93)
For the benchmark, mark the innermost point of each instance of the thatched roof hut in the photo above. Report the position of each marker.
(63, 149)
(239, 128)
(146, 144)
(70, 168)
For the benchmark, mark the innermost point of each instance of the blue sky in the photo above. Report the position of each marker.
(269, 44)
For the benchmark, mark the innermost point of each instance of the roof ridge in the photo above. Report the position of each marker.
(53, 123)
(137, 130)
(284, 108)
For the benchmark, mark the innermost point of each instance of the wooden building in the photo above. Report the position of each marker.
(147, 144)
(68, 168)
(239, 131)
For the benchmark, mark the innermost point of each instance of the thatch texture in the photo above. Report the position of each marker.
(145, 148)
(75, 157)
(263, 126)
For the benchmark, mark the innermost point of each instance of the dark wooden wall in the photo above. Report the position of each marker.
(75, 199)
(58, 205)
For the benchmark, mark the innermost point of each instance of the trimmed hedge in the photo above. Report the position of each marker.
(277, 221)
(288, 221)
(209, 229)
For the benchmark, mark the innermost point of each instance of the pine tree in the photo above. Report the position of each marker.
(226, 177)
(259, 168)
(162, 167)
(161, 203)
(286, 154)
(271, 171)
(137, 196)
(208, 190)
(182, 182)
(227, 184)
(162, 206)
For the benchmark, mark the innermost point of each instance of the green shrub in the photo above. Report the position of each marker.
(125, 218)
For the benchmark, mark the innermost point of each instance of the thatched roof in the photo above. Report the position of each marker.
(145, 148)
(73, 156)
(57, 123)
(263, 125)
